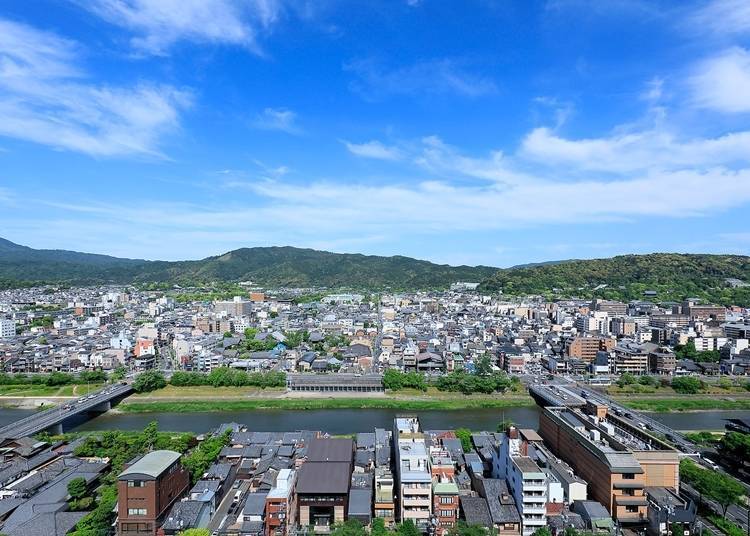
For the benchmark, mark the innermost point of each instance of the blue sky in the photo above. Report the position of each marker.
(472, 132)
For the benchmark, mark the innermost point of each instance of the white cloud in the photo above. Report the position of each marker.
(635, 151)
(654, 90)
(278, 119)
(374, 149)
(162, 23)
(46, 98)
(446, 161)
(723, 17)
(722, 83)
(442, 76)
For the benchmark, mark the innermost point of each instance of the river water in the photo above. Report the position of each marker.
(344, 421)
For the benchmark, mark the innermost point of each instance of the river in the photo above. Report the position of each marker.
(344, 421)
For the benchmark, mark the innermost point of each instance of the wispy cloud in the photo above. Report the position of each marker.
(374, 149)
(441, 76)
(160, 24)
(280, 119)
(722, 83)
(46, 98)
(722, 17)
(641, 150)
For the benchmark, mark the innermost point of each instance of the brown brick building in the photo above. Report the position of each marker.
(585, 348)
(616, 465)
(146, 489)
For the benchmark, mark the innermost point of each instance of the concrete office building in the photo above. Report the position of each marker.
(146, 490)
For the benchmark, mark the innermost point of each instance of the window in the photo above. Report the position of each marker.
(137, 511)
(446, 500)
(135, 483)
(631, 509)
(628, 476)
(446, 513)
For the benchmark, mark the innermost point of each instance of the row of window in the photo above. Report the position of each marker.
(136, 483)
(137, 512)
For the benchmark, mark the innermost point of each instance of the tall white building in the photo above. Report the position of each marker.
(412, 472)
(526, 481)
(7, 328)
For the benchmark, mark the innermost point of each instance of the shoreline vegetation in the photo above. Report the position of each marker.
(250, 404)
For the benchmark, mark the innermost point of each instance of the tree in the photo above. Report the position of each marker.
(464, 434)
(351, 527)
(77, 488)
(504, 424)
(378, 527)
(148, 381)
(542, 531)
(483, 365)
(626, 379)
(408, 528)
(119, 373)
(464, 529)
(719, 487)
(687, 385)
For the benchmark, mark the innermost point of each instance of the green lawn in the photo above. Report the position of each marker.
(324, 403)
(206, 391)
(688, 403)
(44, 390)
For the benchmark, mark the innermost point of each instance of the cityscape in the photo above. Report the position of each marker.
(375, 268)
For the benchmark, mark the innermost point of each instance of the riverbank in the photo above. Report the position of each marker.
(393, 403)
(687, 403)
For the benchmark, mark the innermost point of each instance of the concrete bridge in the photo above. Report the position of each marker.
(55, 419)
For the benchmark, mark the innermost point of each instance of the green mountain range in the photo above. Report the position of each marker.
(672, 276)
(628, 277)
(269, 266)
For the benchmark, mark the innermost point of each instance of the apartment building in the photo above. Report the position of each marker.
(384, 505)
(526, 482)
(235, 307)
(617, 460)
(528, 485)
(696, 311)
(7, 328)
(146, 490)
(662, 361)
(631, 358)
(614, 308)
(280, 504)
(444, 491)
(414, 480)
(585, 348)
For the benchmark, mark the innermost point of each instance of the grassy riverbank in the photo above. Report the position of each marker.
(186, 406)
(685, 403)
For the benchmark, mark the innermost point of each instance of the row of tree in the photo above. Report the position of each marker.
(718, 487)
(53, 379)
(468, 383)
(229, 377)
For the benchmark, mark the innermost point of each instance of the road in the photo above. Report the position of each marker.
(228, 508)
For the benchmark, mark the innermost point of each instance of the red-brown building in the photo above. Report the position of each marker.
(146, 489)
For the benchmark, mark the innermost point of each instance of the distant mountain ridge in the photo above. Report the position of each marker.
(270, 266)
(673, 276)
